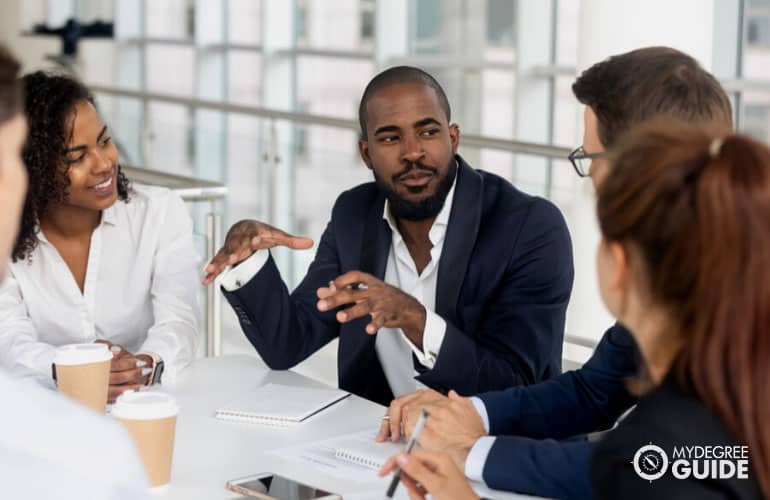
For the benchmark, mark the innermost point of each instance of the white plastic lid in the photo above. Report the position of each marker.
(132, 405)
(81, 354)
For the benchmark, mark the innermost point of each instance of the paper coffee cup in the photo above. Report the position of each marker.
(83, 373)
(150, 417)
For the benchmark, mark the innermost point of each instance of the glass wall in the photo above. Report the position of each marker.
(754, 97)
(507, 67)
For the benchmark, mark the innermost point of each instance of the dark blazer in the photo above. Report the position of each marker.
(527, 456)
(504, 281)
(667, 417)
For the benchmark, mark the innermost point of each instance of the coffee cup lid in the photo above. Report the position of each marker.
(81, 354)
(132, 405)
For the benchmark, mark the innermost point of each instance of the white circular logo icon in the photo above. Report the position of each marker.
(650, 462)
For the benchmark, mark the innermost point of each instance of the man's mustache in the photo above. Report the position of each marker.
(414, 166)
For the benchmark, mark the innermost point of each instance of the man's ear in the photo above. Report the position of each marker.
(363, 150)
(454, 136)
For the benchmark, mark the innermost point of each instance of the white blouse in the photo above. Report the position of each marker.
(140, 290)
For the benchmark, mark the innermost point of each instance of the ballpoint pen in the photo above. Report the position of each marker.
(412, 441)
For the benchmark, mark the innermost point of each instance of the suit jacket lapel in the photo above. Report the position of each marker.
(376, 241)
(360, 354)
(464, 222)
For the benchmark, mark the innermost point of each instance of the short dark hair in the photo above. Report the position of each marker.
(397, 75)
(49, 102)
(627, 89)
(10, 86)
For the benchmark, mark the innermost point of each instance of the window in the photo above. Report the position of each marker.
(427, 26)
(300, 134)
(758, 31)
(244, 22)
(367, 22)
(172, 19)
(301, 22)
(756, 121)
(501, 24)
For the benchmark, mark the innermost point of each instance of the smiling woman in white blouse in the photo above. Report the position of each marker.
(96, 260)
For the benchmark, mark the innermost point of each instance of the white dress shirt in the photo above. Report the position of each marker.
(51, 447)
(394, 349)
(140, 290)
(477, 457)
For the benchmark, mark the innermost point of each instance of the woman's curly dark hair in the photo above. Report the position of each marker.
(49, 102)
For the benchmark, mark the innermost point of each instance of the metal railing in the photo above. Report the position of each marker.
(195, 190)
(479, 141)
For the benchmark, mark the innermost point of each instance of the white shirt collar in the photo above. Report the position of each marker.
(442, 219)
(110, 214)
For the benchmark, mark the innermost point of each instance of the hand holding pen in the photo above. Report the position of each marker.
(424, 472)
(409, 446)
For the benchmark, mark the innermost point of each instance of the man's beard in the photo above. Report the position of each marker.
(424, 209)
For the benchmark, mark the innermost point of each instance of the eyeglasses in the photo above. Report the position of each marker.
(581, 160)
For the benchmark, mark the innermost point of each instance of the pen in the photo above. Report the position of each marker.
(354, 286)
(412, 440)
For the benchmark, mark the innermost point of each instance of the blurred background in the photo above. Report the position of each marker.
(249, 107)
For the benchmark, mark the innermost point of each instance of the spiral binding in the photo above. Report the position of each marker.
(357, 459)
(251, 419)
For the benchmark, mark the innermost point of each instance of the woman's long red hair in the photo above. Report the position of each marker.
(696, 207)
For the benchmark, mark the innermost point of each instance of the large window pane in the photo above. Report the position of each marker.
(171, 19)
(500, 23)
(332, 86)
(427, 26)
(755, 119)
(497, 106)
(170, 69)
(331, 24)
(170, 138)
(244, 77)
(244, 22)
(758, 31)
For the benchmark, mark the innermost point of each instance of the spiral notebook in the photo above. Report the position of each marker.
(280, 405)
(361, 448)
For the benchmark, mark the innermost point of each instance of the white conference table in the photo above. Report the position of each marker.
(208, 451)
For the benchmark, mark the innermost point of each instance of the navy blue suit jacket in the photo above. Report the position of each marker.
(504, 281)
(527, 455)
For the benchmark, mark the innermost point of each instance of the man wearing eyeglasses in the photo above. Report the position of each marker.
(518, 439)
(580, 159)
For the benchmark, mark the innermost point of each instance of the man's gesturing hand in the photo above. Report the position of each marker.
(388, 306)
(245, 238)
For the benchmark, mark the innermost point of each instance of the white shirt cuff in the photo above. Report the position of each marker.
(432, 338)
(235, 277)
(477, 458)
(481, 409)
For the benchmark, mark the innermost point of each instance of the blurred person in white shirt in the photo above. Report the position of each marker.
(50, 446)
(96, 259)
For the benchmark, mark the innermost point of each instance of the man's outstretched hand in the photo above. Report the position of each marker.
(245, 238)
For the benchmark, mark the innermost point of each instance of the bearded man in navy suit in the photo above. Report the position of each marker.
(434, 275)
